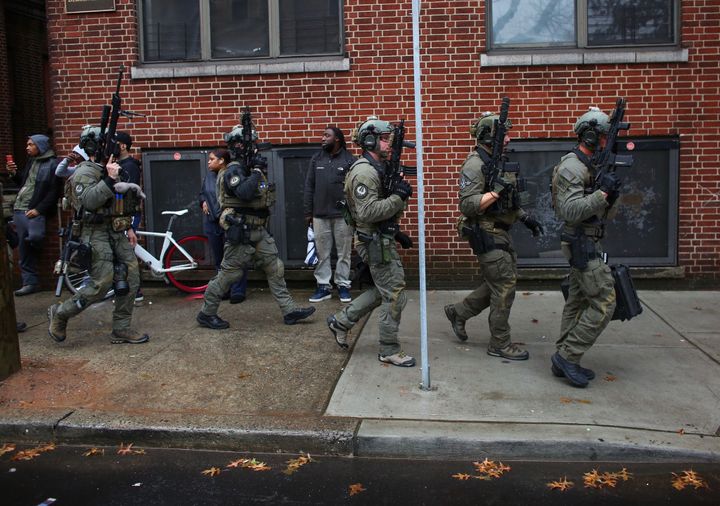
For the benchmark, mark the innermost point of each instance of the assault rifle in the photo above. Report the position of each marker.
(497, 161)
(108, 124)
(394, 169)
(250, 148)
(71, 244)
(606, 159)
(394, 172)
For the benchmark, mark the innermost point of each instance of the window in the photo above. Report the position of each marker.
(200, 30)
(647, 213)
(581, 23)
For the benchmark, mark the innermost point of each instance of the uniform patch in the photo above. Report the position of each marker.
(464, 181)
(361, 191)
(79, 189)
(234, 181)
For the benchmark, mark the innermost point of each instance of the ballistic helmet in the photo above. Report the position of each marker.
(590, 126)
(367, 134)
(236, 135)
(483, 129)
(90, 139)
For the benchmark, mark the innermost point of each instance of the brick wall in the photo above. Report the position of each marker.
(664, 99)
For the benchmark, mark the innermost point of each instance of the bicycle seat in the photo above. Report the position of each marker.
(176, 213)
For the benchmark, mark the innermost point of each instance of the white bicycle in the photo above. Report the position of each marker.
(187, 263)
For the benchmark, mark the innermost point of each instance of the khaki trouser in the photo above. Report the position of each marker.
(263, 253)
(497, 291)
(328, 231)
(388, 293)
(107, 247)
(588, 309)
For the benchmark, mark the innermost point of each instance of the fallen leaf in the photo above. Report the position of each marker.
(356, 488)
(566, 400)
(33, 452)
(94, 452)
(535, 320)
(7, 448)
(462, 476)
(561, 485)
(243, 375)
(610, 377)
(295, 464)
(681, 432)
(624, 475)
(125, 450)
(138, 452)
(251, 464)
(594, 479)
(687, 479)
(213, 471)
(570, 400)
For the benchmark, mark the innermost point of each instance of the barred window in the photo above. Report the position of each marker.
(199, 30)
(581, 23)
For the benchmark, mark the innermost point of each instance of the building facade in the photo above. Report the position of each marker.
(301, 65)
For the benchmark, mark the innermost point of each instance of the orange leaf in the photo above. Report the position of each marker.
(681, 432)
(213, 471)
(561, 485)
(6, 448)
(462, 476)
(610, 377)
(356, 488)
(125, 450)
(92, 452)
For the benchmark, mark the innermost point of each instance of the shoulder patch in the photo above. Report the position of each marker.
(361, 191)
(464, 181)
(79, 189)
(234, 181)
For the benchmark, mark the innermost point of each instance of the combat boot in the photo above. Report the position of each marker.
(211, 321)
(510, 351)
(570, 371)
(297, 315)
(128, 336)
(589, 373)
(399, 359)
(339, 330)
(458, 324)
(58, 325)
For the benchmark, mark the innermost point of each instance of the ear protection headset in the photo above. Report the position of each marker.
(369, 139)
(89, 143)
(589, 135)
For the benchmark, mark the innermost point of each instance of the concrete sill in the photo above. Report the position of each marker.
(172, 70)
(586, 57)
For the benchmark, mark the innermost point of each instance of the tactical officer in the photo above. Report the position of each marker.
(104, 207)
(369, 210)
(489, 212)
(245, 196)
(591, 297)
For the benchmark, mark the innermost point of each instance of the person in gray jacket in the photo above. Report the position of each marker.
(323, 189)
(39, 190)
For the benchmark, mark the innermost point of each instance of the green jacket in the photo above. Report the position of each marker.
(92, 191)
(363, 191)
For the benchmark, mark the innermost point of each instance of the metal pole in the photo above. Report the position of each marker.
(424, 363)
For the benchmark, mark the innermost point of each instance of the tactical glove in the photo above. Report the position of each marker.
(404, 240)
(533, 225)
(403, 190)
(500, 185)
(610, 183)
(260, 162)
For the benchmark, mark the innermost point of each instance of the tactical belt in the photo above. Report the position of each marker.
(249, 211)
(94, 218)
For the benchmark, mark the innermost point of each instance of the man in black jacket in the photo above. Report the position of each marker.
(323, 189)
(36, 200)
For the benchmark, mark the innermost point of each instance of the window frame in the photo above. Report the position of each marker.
(581, 34)
(273, 38)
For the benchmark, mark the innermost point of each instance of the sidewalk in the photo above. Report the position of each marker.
(265, 386)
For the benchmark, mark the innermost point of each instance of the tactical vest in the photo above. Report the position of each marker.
(512, 199)
(72, 193)
(593, 227)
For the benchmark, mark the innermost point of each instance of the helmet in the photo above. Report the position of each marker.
(368, 133)
(236, 135)
(90, 139)
(483, 129)
(590, 126)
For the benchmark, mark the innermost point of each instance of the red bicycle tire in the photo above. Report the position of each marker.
(204, 260)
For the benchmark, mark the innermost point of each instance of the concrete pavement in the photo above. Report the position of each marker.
(265, 386)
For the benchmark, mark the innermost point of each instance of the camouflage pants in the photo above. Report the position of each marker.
(107, 247)
(588, 309)
(497, 291)
(263, 253)
(388, 293)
